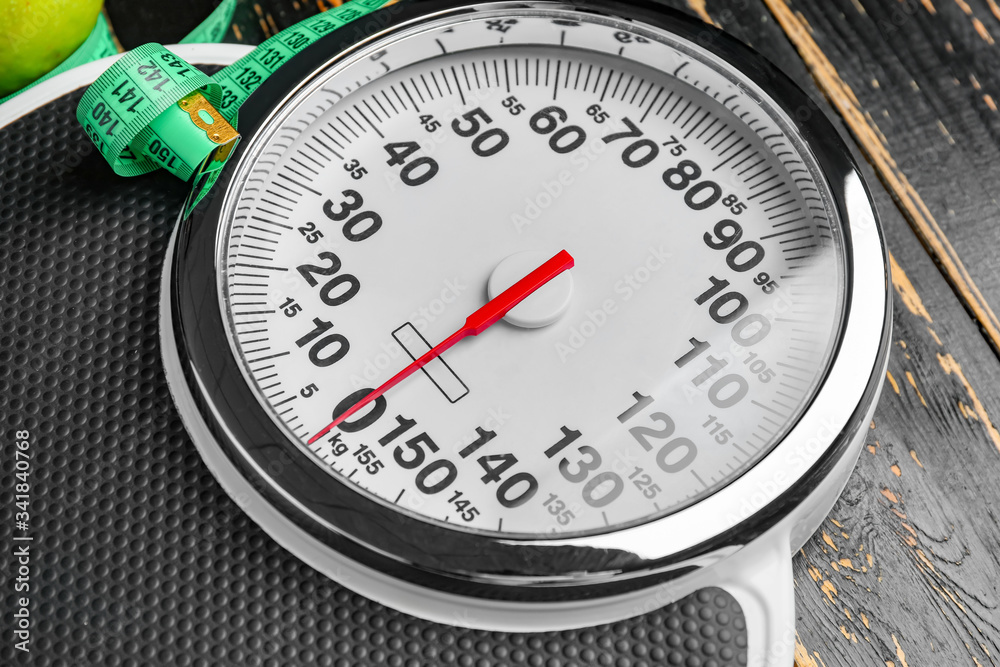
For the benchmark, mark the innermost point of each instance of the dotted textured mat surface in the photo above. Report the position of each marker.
(138, 556)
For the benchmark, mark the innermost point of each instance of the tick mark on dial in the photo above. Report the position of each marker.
(298, 173)
(458, 85)
(304, 166)
(257, 266)
(377, 131)
(275, 214)
(652, 104)
(667, 115)
(389, 100)
(272, 356)
(348, 127)
(410, 97)
(722, 141)
(438, 85)
(731, 157)
(707, 128)
(327, 135)
(310, 157)
(301, 185)
(276, 205)
(681, 113)
(253, 312)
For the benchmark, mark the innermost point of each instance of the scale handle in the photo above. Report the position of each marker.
(761, 581)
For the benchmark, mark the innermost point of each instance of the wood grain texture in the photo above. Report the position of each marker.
(137, 23)
(875, 146)
(904, 571)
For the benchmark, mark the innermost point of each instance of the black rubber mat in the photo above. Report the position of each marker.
(136, 555)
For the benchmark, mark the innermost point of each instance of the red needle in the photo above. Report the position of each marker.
(476, 323)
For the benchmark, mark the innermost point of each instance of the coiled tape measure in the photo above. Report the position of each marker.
(153, 110)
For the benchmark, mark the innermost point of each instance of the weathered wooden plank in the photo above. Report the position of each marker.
(902, 573)
(137, 23)
(904, 569)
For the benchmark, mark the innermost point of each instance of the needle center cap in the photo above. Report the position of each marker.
(544, 306)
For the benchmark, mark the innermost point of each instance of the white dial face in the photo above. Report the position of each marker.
(692, 331)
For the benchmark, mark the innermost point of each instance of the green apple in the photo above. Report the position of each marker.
(37, 35)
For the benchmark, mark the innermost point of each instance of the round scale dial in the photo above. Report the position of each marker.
(400, 190)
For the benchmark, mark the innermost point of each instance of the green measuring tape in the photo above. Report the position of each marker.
(152, 109)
